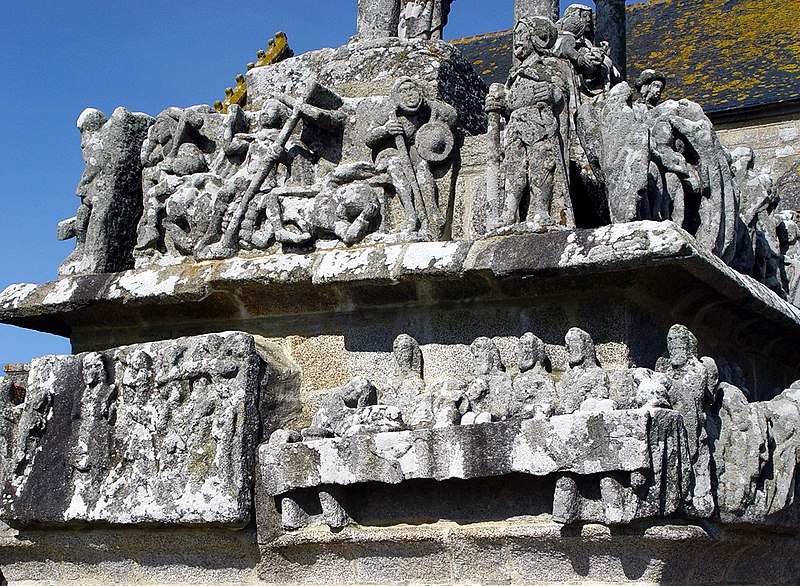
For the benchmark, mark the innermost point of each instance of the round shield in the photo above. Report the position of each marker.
(434, 141)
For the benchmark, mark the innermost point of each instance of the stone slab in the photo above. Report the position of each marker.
(581, 443)
(160, 433)
(56, 307)
(370, 68)
(655, 267)
(534, 551)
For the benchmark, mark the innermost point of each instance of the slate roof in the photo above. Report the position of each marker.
(724, 54)
(491, 55)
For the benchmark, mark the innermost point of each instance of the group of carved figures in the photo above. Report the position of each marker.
(681, 381)
(161, 419)
(569, 146)
(578, 149)
(720, 439)
(215, 185)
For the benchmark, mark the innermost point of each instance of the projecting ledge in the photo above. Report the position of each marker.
(652, 260)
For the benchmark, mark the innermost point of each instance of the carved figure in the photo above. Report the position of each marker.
(340, 406)
(375, 419)
(139, 421)
(652, 388)
(110, 190)
(670, 176)
(450, 403)
(91, 184)
(711, 195)
(759, 251)
(413, 134)
(189, 201)
(650, 85)
(534, 390)
(406, 389)
(246, 211)
(423, 19)
(9, 418)
(535, 145)
(585, 385)
(346, 206)
(155, 149)
(594, 72)
(264, 149)
(97, 411)
(31, 427)
(692, 392)
(590, 75)
(741, 452)
(790, 253)
(491, 391)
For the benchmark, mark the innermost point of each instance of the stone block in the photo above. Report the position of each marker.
(370, 68)
(158, 433)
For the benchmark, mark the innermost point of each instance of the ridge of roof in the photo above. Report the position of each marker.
(463, 40)
(724, 54)
(645, 4)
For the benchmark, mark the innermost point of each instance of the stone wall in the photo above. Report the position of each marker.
(776, 142)
(528, 551)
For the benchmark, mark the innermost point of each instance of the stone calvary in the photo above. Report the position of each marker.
(373, 321)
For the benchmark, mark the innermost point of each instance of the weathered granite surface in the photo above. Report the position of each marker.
(533, 551)
(370, 68)
(159, 433)
(581, 443)
(528, 550)
(438, 365)
(756, 449)
(738, 313)
(110, 189)
(582, 448)
(606, 249)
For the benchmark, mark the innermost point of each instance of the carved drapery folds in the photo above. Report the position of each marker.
(153, 433)
(361, 147)
(663, 442)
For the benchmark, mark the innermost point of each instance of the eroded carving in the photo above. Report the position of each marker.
(688, 436)
(156, 433)
(407, 19)
(409, 137)
(110, 189)
(535, 143)
(585, 385)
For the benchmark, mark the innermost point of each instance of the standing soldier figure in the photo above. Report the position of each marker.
(533, 101)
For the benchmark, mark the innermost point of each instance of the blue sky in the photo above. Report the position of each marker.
(57, 58)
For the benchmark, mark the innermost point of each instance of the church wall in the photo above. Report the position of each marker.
(776, 142)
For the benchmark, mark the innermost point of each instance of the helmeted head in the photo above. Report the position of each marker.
(534, 33)
(530, 352)
(681, 345)
(407, 355)
(486, 356)
(408, 95)
(578, 20)
(650, 85)
(580, 348)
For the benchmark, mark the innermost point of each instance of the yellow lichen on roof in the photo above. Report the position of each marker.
(277, 50)
(717, 50)
(476, 37)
